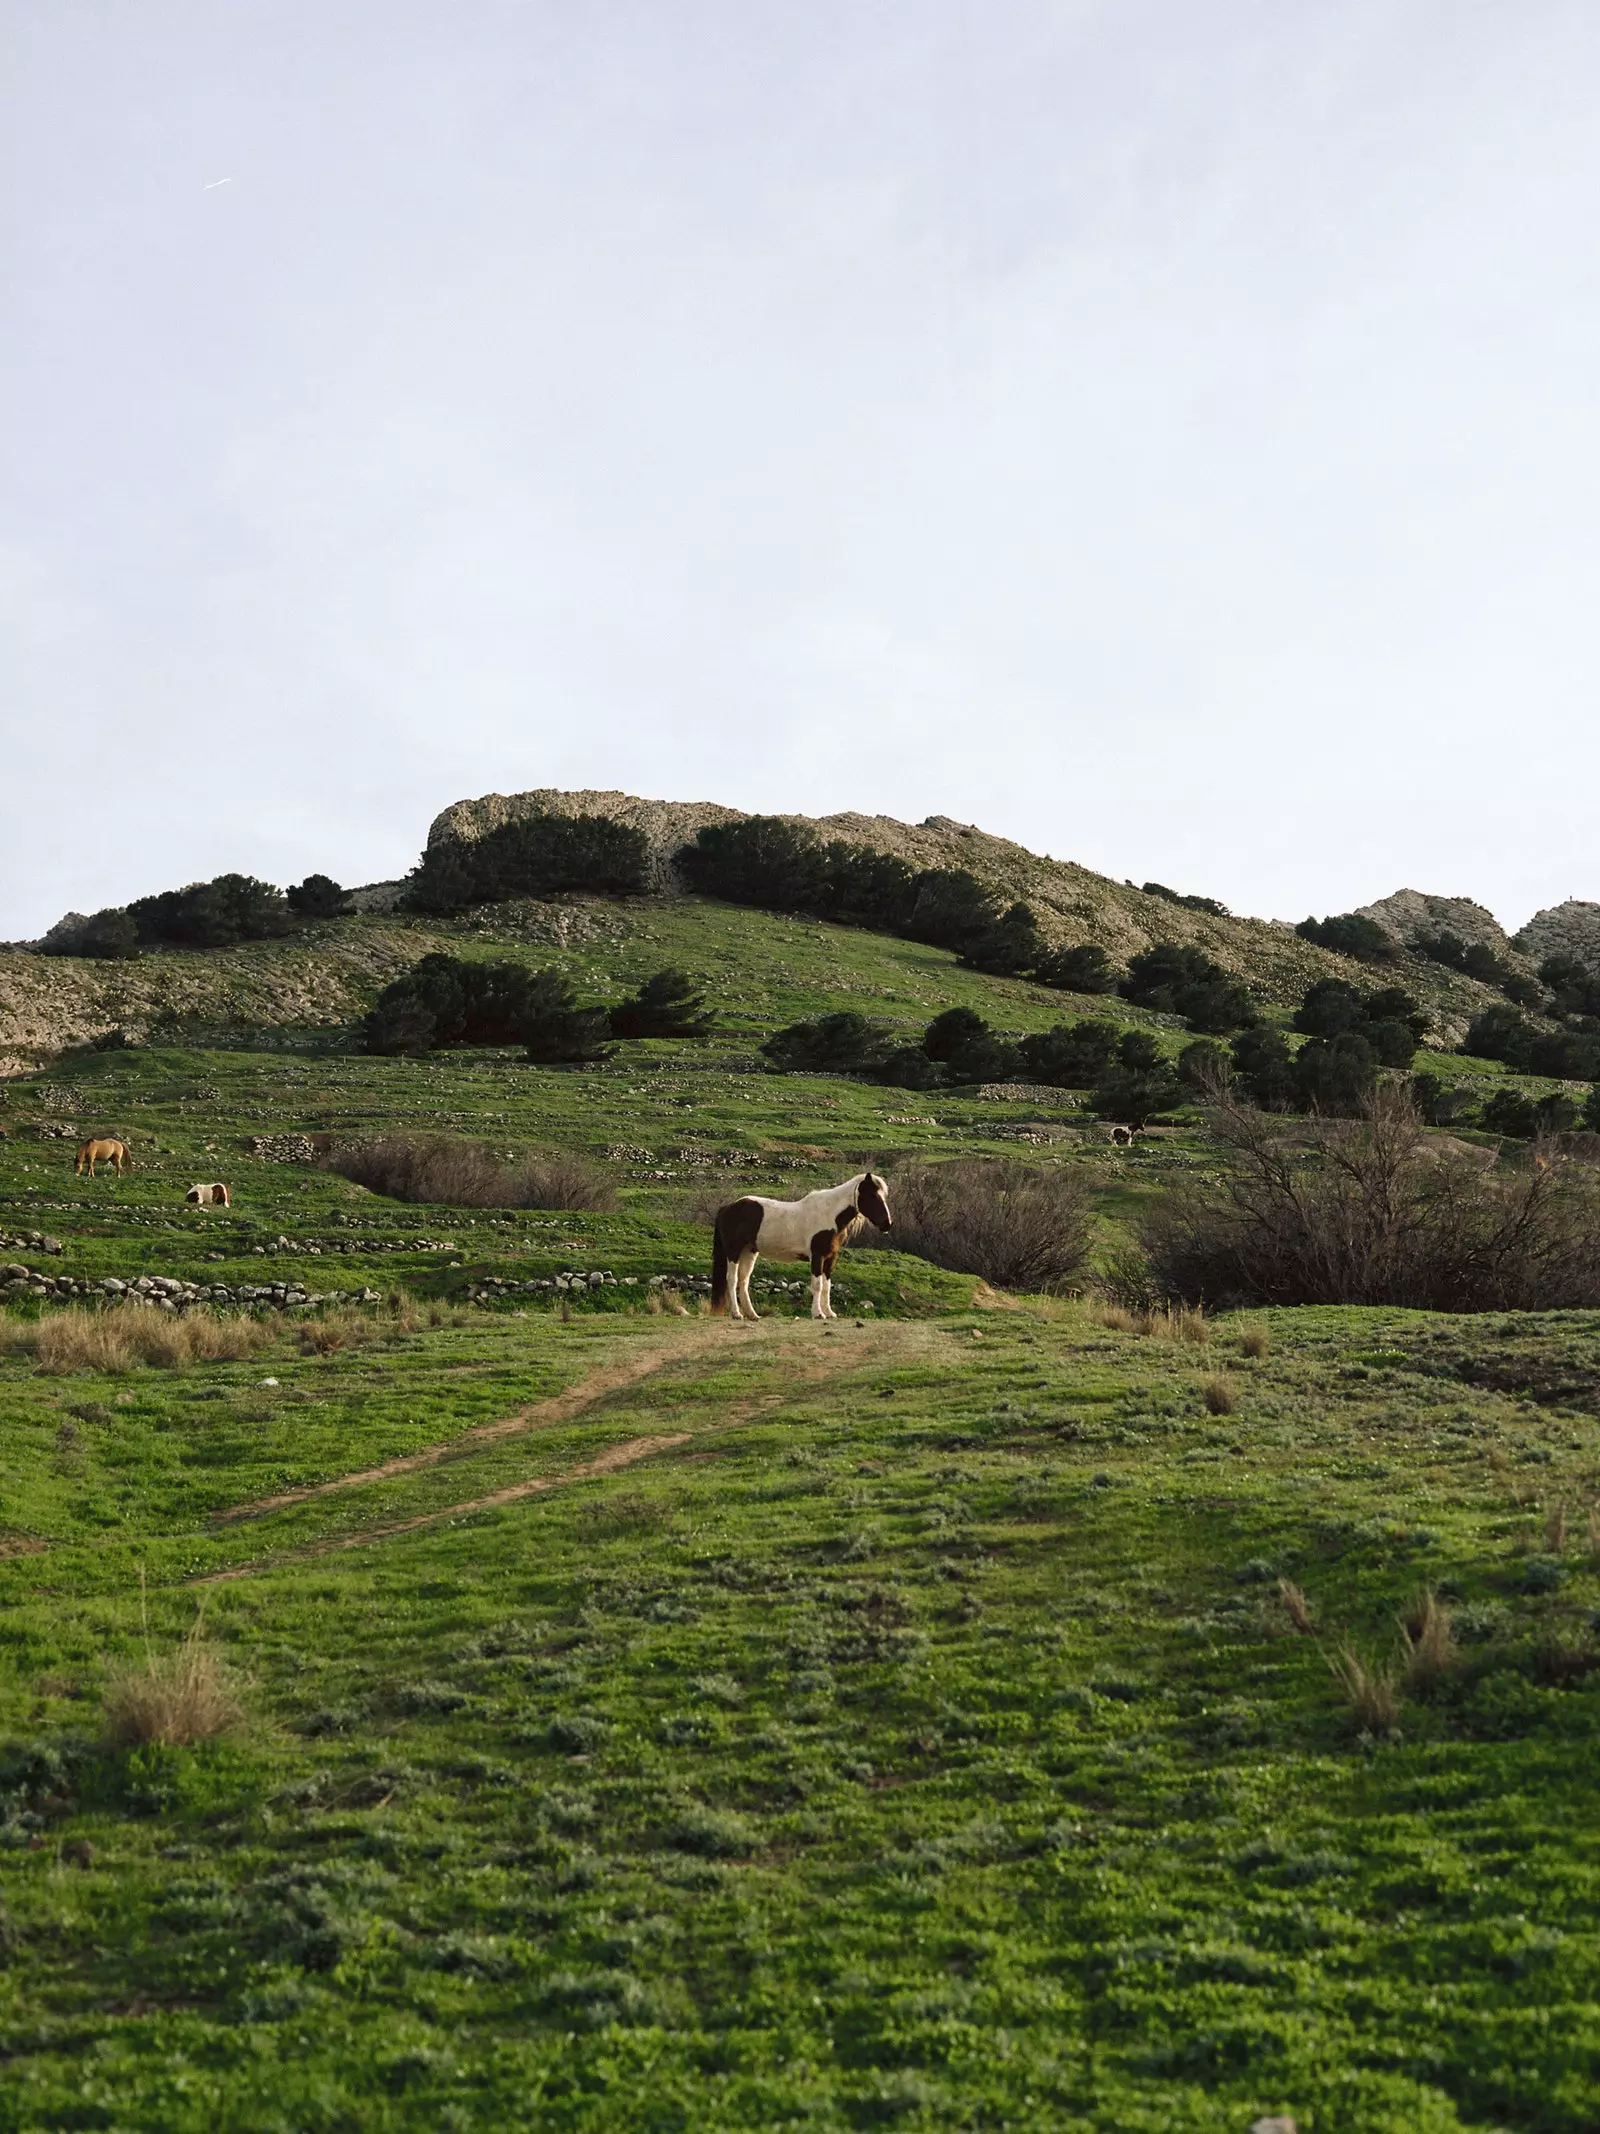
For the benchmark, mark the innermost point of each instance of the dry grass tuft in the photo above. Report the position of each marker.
(1555, 1529)
(1430, 1646)
(1592, 1524)
(1297, 1608)
(1219, 1393)
(1156, 1322)
(125, 1335)
(1255, 1341)
(180, 1698)
(1371, 1692)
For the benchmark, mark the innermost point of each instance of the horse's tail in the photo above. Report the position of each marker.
(719, 1273)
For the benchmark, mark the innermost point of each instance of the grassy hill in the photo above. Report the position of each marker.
(648, 1722)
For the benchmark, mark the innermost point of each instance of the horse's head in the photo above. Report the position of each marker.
(872, 1201)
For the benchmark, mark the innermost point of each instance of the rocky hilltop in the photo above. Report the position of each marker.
(1570, 929)
(1412, 915)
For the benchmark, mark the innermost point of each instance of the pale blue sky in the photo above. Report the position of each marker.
(1166, 432)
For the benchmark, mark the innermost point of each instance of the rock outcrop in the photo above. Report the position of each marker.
(1411, 914)
(1570, 929)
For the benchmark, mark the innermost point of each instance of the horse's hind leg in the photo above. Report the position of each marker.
(747, 1261)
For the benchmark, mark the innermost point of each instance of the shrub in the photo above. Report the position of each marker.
(667, 1005)
(319, 896)
(950, 908)
(1264, 1068)
(444, 1001)
(969, 1050)
(445, 1172)
(1206, 1066)
(868, 888)
(1071, 1055)
(1085, 969)
(123, 1335)
(109, 936)
(1524, 1118)
(1367, 1211)
(1012, 944)
(1138, 1083)
(1349, 934)
(762, 860)
(1178, 980)
(845, 1043)
(180, 1698)
(535, 856)
(215, 914)
(1335, 1075)
(1016, 1225)
(1171, 896)
(1219, 1393)
(1576, 988)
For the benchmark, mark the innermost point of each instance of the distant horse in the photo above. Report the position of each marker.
(811, 1229)
(216, 1196)
(116, 1153)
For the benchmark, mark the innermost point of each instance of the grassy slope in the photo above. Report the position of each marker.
(322, 977)
(916, 1741)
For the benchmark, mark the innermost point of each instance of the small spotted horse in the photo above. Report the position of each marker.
(811, 1229)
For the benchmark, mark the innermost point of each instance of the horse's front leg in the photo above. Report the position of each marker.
(747, 1261)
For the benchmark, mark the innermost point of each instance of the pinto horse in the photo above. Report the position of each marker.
(811, 1229)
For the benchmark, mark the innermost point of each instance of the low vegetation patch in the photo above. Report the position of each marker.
(441, 1170)
(1013, 1223)
(121, 1336)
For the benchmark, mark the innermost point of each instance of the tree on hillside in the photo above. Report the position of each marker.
(215, 914)
(1264, 1066)
(1176, 979)
(109, 936)
(1011, 945)
(554, 1029)
(533, 856)
(762, 860)
(1138, 1083)
(845, 1043)
(667, 1005)
(969, 1050)
(951, 908)
(1335, 1075)
(1351, 934)
(1071, 1055)
(317, 897)
(1084, 969)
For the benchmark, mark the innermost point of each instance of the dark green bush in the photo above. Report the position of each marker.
(845, 1043)
(950, 909)
(1264, 1066)
(762, 860)
(1179, 980)
(1138, 1083)
(969, 1050)
(667, 1005)
(1389, 1020)
(1439, 1103)
(317, 897)
(1503, 1033)
(1335, 1075)
(444, 1001)
(1525, 1118)
(1171, 896)
(110, 936)
(1576, 988)
(1349, 934)
(535, 856)
(1206, 1066)
(1084, 969)
(1013, 944)
(1070, 1056)
(215, 914)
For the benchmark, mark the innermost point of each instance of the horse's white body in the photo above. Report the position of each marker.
(809, 1229)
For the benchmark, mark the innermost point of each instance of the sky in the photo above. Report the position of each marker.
(1166, 432)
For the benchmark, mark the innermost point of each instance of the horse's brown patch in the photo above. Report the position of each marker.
(738, 1226)
(825, 1249)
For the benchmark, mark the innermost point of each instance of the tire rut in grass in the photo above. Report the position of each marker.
(820, 1365)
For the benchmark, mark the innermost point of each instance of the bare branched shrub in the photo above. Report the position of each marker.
(446, 1172)
(1297, 1608)
(124, 1335)
(1430, 1646)
(1369, 1211)
(1371, 1692)
(1219, 1393)
(180, 1697)
(1018, 1225)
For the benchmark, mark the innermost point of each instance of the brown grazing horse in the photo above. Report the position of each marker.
(116, 1153)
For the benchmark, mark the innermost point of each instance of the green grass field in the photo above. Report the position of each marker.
(654, 1723)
